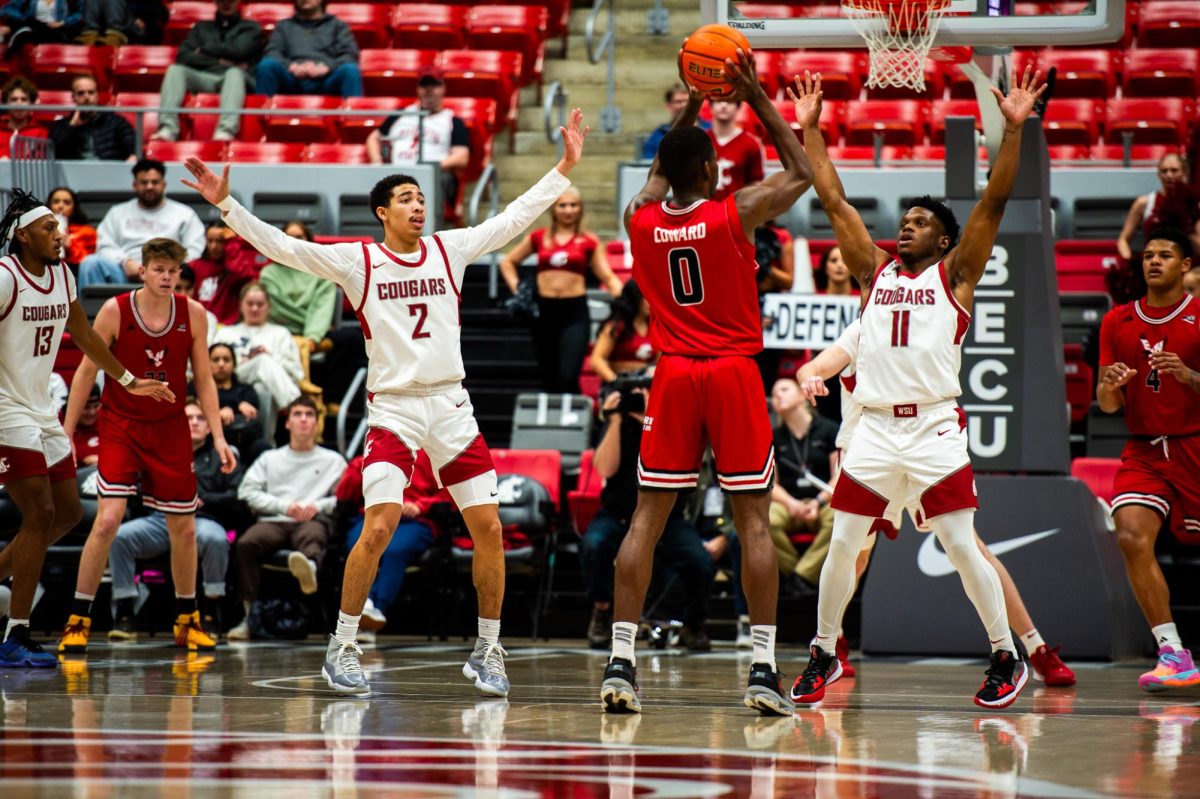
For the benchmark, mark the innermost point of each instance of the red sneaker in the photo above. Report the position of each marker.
(843, 654)
(823, 670)
(1049, 668)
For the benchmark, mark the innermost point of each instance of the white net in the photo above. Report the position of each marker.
(899, 34)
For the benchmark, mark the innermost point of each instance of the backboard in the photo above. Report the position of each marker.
(998, 23)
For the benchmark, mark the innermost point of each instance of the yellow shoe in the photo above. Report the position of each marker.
(187, 671)
(75, 670)
(75, 636)
(189, 633)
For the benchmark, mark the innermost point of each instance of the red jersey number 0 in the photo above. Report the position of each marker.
(686, 283)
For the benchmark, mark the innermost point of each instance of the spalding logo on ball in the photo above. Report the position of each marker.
(704, 55)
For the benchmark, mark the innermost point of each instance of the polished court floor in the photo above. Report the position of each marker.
(257, 721)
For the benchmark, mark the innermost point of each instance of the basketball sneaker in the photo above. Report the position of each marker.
(342, 669)
(190, 635)
(842, 649)
(1049, 668)
(373, 619)
(765, 692)
(74, 639)
(823, 670)
(1175, 669)
(744, 638)
(1006, 676)
(122, 630)
(619, 691)
(486, 667)
(600, 628)
(18, 652)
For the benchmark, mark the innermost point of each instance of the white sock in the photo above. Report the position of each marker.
(1032, 640)
(764, 643)
(624, 633)
(489, 630)
(347, 628)
(13, 623)
(85, 597)
(956, 533)
(838, 579)
(1164, 635)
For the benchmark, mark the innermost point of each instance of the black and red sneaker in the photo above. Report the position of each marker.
(1006, 676)
(842, 648)
(823, 670)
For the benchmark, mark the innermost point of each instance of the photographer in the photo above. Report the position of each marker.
(774, 252)
(681, 547)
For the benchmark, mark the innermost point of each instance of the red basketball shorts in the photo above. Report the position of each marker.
(695, 402)
(157, 453)
(1163, 477)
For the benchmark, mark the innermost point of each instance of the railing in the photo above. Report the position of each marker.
(610, 115)
(33, 166)
(488, 183)
(556, 98)
(348, 448)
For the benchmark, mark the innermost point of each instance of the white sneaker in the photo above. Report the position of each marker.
(744, 639)
(223, 135)
(304, 570)
(163, 134)
(373, 619)
(239, 633)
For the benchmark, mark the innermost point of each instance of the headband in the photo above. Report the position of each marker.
(24, 219)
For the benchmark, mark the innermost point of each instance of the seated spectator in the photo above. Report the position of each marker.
(24, 23)
(267, 358)
(804, 444)
(1176, 204)
(215, 56)
(290, 492)
(80, 235)
(129, 225)
(58, 392)
(146, 537)
(92, 135)
(623, 343)
(675, 99)
(833, 276)
(112, 23)
(86, 439)
(739, 153)
(1191, 282)
(19, 122)
(238, 405)
(438, 138)
(681, 546)
(227, 265)
(311, 53)
(414, 534)
(302, 303)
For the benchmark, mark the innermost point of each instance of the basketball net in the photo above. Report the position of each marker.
(899, 35)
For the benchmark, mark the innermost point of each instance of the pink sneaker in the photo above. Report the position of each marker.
(1175, 669)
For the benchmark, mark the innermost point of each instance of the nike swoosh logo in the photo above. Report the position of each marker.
(933, 562)
(943, 432)
(460, 404)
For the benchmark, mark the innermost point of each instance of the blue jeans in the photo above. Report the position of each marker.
(272, 78)
(409, 542)
(96, 269)
(147, 537)
(681, 549)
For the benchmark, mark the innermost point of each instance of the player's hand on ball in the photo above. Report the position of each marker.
(812, 387)
(573, 137)
(807, 99)
(742, 76)
(1117, 375)
(212, 187)
(695, 96)
(151, 388)
(1019, 103)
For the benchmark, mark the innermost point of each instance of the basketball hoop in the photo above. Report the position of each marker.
(899, 35)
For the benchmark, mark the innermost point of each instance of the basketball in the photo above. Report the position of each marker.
(704, 57)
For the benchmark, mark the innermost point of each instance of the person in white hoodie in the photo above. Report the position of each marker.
(129, 225)
(267, 356)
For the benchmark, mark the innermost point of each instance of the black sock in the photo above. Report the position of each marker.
(185, 606)
(82, 607)
(125, 608)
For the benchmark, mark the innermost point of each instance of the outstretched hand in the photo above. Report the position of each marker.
(742, 75)
(211, 187)
(807, 99)
(155, 389)
(572, 139)
(1017, 106)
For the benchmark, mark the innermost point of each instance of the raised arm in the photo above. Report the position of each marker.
(966, 262)
(859, 252)
(812, 376)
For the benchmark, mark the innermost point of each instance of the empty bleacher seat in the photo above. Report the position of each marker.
(267, 14)
(54, 66)
(832, 116)
(1138, 152)
(521, 28)
(52, 97)
(562, 422)
(1081, 73)
(356, 129)
(485, 73)
(285, 127)
(141, 68)
(1081, 265)
(842, 71)
(1161, 73)
(1081, 385)
(1161, 120)
(429, 26)
(140, 100)
(182, 150)
(370, 23)
(941, 109)
(864, 152)
(1098, 474)
(271, 152)
(1072, 122)
(478, 114)
(184, 16)
(335, 154)
(1169, 24)
(393, 73)
(901, 122)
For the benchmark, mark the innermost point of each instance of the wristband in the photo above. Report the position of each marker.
(126, 378)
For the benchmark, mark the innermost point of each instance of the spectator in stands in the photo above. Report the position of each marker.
(238, 405)
(28, 22)
(623, 343)
(227, 265)
(146, 537)
(739, 154)
(435, 136)
(290, 491)
(302, 303)
(18, 122)
(832, 277)
(805, 448)
(92, 135)
(675, 99)
(267, 357)
(681, 546)
(113, 23)
(1191, 282)
(86, 440)
(129, 225)
(311, 53)
(1174, 205)
(413, 536)
(80, 241)
(565, 251)
(215, 56)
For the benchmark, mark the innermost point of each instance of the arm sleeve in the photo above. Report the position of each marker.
(848, 341)
(319, 316)
(1108, 340)
(253, 490)
(470, 243)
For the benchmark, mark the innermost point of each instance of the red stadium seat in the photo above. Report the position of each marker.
(1072, 122)
(355, 129)
(1081, 265)
(841, 71)
(1161, 73)
(1098, 474)
(935, 84)
(479, 115)
(901, 122)
(1140, 152)
(184, 16)
(767, 10)
(212, 151)
(584, 501)
(1081, 73)
(429, 26)
(542, 465)
(271, 152)
(1151, 121)
(54, 66)
(767, 67)
(558, 21)
(505, 27)
(284, 127)
(937, 152)
(201, 126)
(141, 68)
(393, 73)
(267, 14)
(1080, 387)
(369, 22)
(52, 97)
(484, 73)
(254, 126)
(832, 117)
(1070, 152)
(1169, 24)
(950, 108)
(140, 100)
(867, 153)
(335, 154)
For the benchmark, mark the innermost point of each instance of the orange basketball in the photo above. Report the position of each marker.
(704, 56)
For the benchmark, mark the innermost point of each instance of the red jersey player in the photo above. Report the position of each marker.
(739, 154)
(694, 261)
(1149, 352)
(37, 301)
(152, 331)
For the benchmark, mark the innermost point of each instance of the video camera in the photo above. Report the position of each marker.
(627, 384)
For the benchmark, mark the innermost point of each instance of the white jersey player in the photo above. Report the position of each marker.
(405, 291)
(37, 303)
(910, 445)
